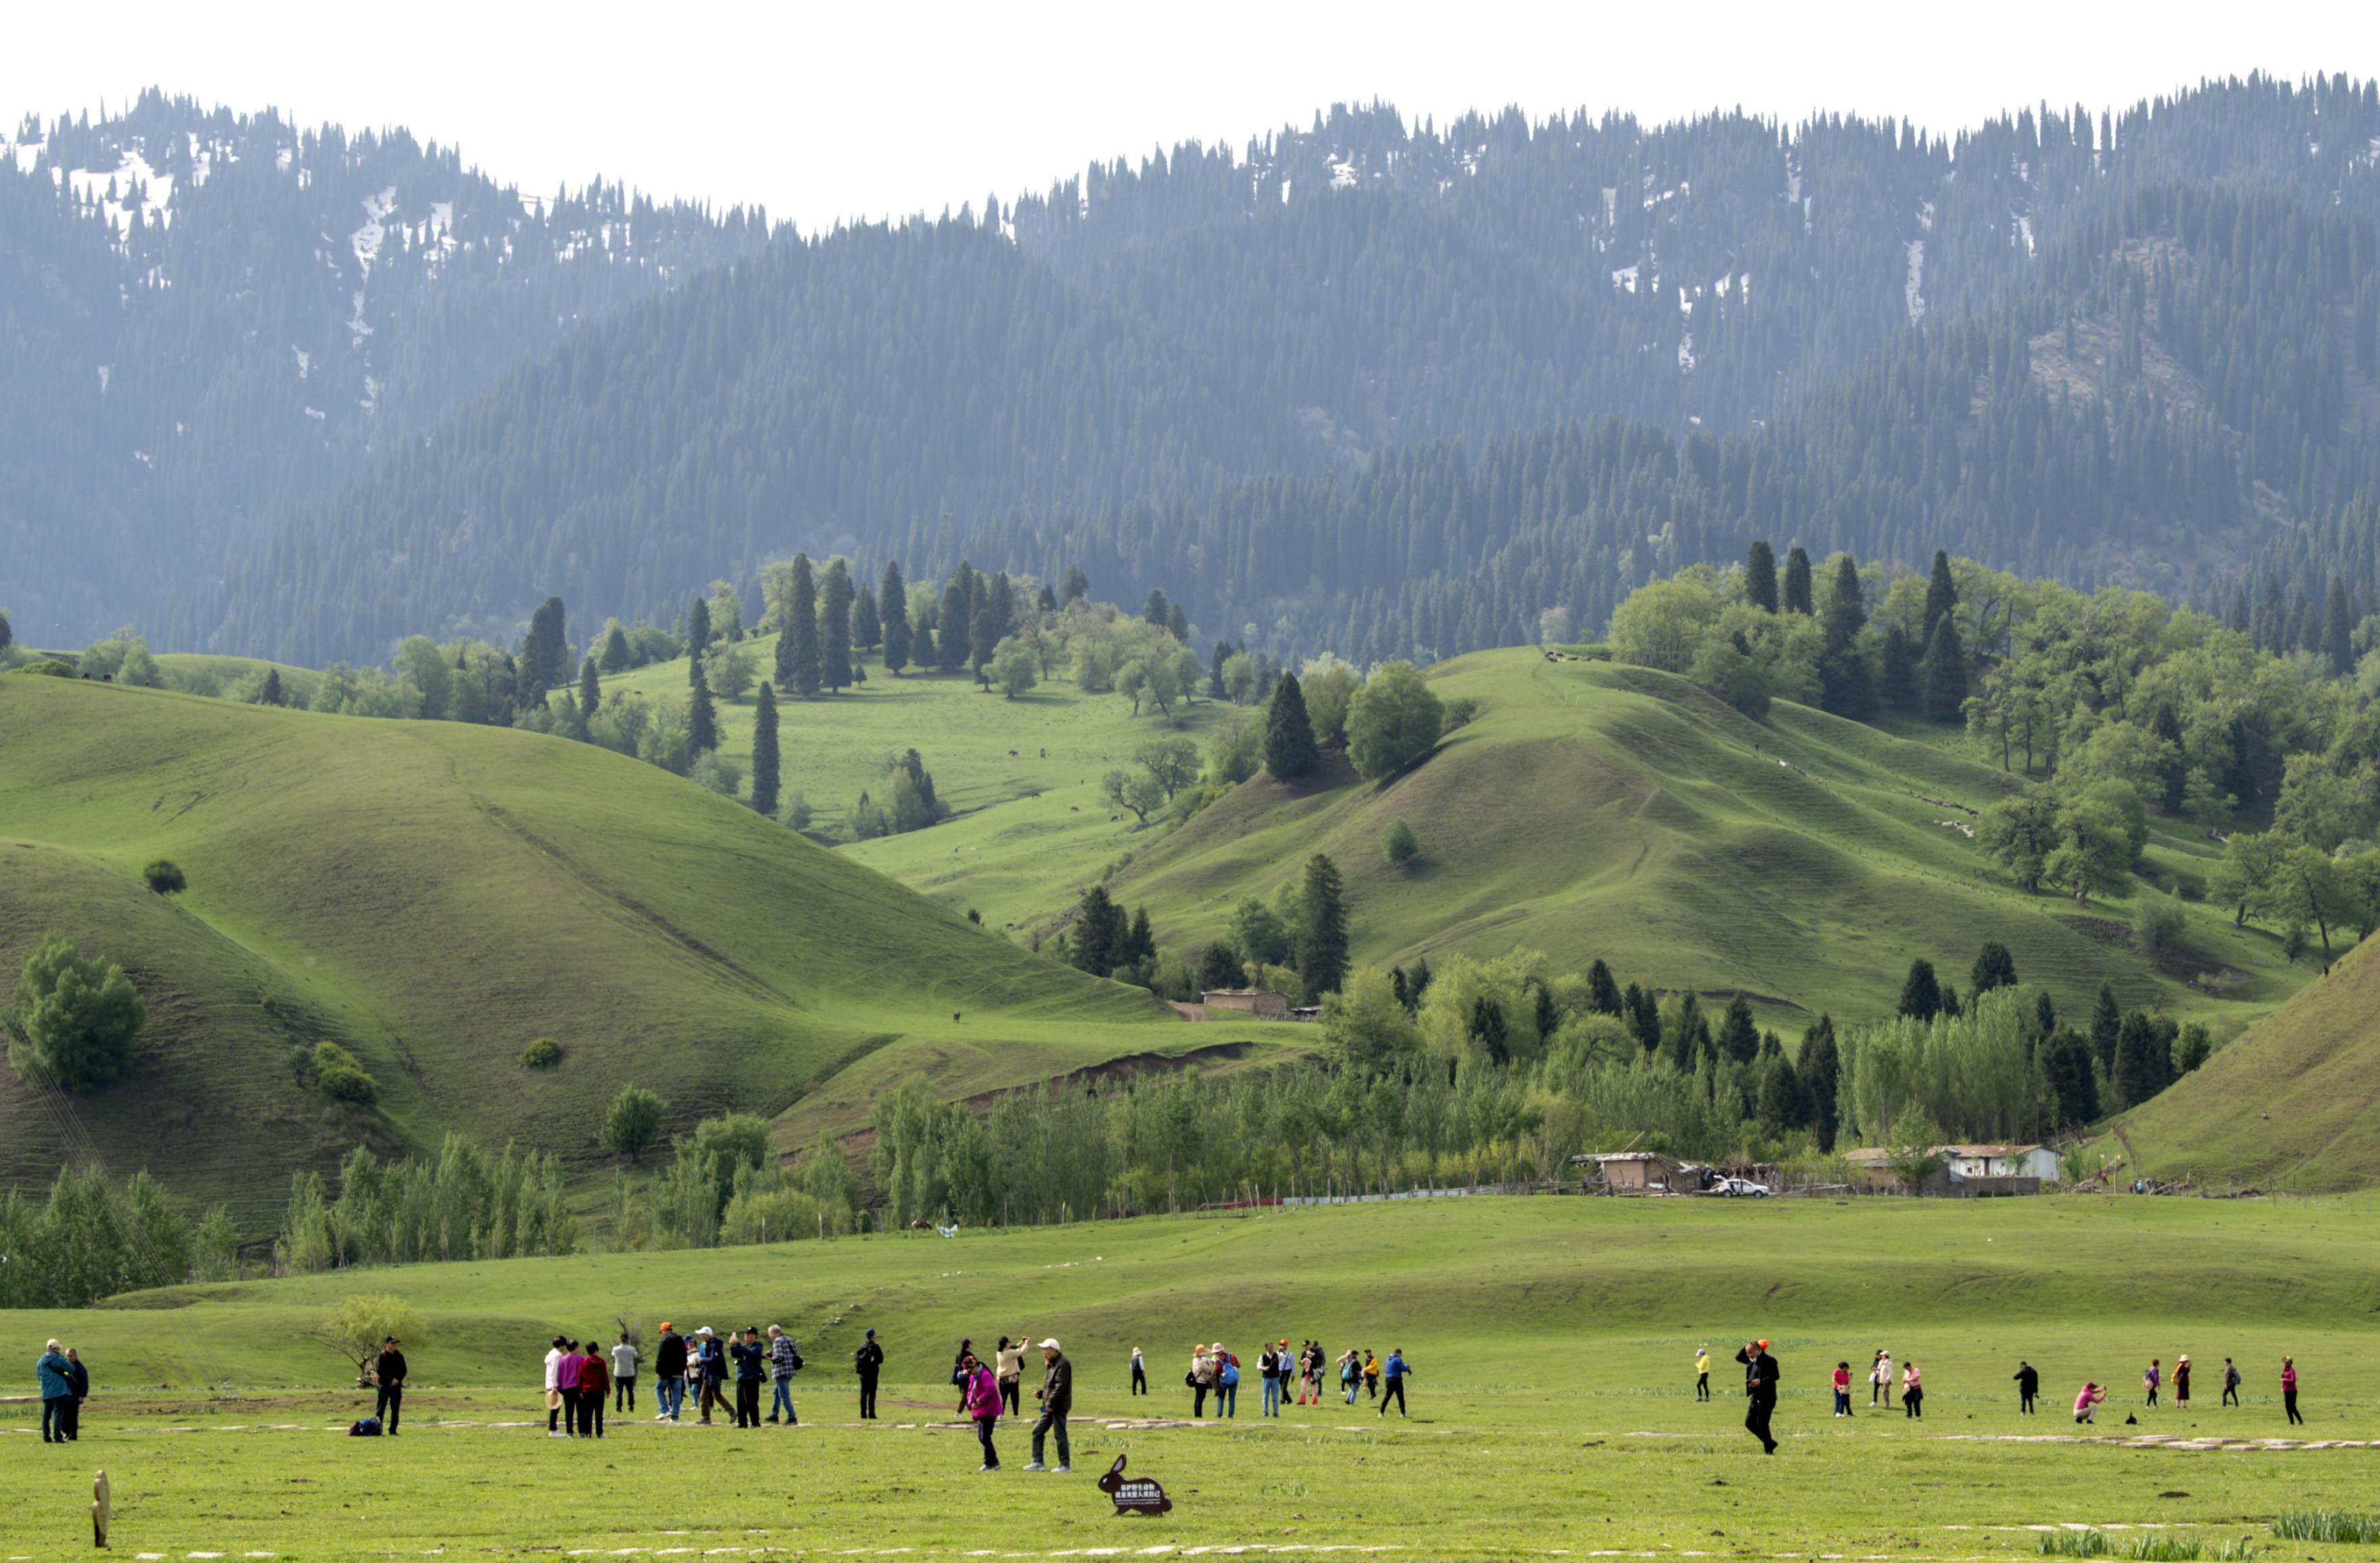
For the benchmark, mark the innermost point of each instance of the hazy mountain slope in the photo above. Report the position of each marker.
(208, 320)
(435, 895)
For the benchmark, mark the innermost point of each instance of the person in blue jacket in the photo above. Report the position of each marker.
(57, 1393)
(1394, 1372)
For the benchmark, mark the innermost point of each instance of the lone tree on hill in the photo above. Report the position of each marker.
(797, 645)
(1322, 929)
(1289, 748)
(834, 627)
(1760, 576)
(764, 751)
(1401, 846)
(271, 693)
(165, 877)
(1921, 995)
(590, 688)
(1797, 581)
(71, 1019)
(1393, 721)
(893, 606)
(633, 1122)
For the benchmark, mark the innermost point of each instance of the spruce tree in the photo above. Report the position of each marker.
(1897, 671)
(1845, 688)
(697, 629)
(1048, 601)
(764, 751)
(867, 627)
(2337, 624)
(1140, 941)
(1487, 1028)
(1941, 596)
(834, 628)
(893, 604)
(271, 693)
(1738, 1038)
(701, 714)
(955, 632)
(1921, 995)
(2106, 1025)
(590, 688)
(1820, 1066)
(2137, 1075)
(1289, 748)
(1322, 929)
(1995, 967)
(1760, 576)
(1602, 992)
(616, 655)
(1077, 588)
(1945, 673)
(1797, 581)
(1157, 609)
(1780, 1103)
(2045, 1014)
(797, 643)
(2073, 1084)
(1643, 1013)
(1100, 932)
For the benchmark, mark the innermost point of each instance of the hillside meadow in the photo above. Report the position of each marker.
(1552, 1411)
(433, 896)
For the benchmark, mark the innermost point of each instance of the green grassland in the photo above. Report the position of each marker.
(1599, 809)
(1592, 810)
(1552, 1412)
(2289, 1105)
(434, 896)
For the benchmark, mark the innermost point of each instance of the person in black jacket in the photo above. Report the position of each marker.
(79, 1376)
(869, 1360)
(750, 1358)
(2028, 1385)
(1760, 1375)
(388, 1372)
(1057, 1398)
(669, 1373)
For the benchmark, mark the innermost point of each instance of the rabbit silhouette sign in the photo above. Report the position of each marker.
(1137, 1494)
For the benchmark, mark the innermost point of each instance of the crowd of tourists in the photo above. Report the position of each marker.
(1288, 1377)
(1761, 1375)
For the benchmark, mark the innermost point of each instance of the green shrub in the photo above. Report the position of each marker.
(1461, 711)
(340, 1076)
(72, 1019)
(1398, 844)
(50, 667)
(542, 1053)
(165, 877)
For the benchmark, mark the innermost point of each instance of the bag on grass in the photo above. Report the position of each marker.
(366, 1427)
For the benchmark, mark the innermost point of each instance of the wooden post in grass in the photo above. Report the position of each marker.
(99, 1510)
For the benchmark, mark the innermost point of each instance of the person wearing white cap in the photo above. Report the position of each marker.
(1057, 1398)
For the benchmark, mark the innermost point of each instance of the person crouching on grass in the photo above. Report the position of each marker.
(2087, 1402)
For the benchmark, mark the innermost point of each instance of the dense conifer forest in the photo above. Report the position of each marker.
(1391, 389)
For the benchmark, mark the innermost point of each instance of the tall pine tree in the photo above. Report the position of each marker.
(2336, 625)
(1289, 747)
(954, 633)
(1322, 929)
(764, 751)
(834, 628)
(1099, 933)
(701, 713)
(797, 646)
(892, 605)
(1821, 1068)
(866, 625)
(1797, 581)
(590, 688)
(1945, 672)
(1760, 576)
(1941, 596)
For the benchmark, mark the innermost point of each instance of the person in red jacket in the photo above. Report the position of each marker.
(594, 1388)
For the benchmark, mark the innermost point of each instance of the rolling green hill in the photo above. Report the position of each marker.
(434, 896)
(2288, 1106)
(1595, 810)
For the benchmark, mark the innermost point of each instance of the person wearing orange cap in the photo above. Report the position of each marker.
(1760, 1375)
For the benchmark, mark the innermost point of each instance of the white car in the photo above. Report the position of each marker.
(1744, 1189)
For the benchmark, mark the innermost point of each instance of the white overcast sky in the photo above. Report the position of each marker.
(853, 109)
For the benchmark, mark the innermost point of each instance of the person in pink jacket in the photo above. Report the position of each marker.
(979, 1399)
(2289, 1390)
(2091, 1396)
